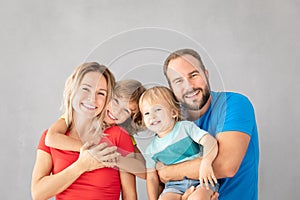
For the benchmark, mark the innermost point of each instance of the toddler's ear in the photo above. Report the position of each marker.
(174, 114)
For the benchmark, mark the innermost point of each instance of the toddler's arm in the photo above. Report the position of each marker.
(132, 165)
(210, 151)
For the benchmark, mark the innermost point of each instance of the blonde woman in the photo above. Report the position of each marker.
(73, 175)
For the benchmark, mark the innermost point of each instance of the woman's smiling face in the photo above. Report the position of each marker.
(91, 95)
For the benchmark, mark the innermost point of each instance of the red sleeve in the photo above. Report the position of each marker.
(42, 145)
(121, 139)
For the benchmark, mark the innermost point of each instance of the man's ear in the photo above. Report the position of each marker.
(207, 74)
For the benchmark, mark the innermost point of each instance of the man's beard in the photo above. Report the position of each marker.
(197, 106)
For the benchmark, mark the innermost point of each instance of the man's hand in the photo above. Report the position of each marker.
(188, 192)
(162, 172)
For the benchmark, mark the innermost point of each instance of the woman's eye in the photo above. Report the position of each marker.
(102, 93)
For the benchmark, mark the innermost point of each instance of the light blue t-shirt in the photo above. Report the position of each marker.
(234, 112)
(179, 145)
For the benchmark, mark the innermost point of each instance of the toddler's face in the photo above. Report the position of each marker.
(158, 118)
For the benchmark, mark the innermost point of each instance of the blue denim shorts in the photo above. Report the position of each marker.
(181, 186)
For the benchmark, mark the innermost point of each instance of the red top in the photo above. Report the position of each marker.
(99, 184)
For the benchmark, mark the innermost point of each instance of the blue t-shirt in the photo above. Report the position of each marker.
(234, 112)
(181, 144)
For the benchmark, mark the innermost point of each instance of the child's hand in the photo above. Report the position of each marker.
(108, 156)
(206, 175)
(86, 161)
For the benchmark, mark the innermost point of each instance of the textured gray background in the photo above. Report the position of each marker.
(254, 46)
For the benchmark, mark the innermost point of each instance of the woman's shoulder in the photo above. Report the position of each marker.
(113, 129)
(116, 131)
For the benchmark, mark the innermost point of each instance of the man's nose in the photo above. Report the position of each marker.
(187, 84)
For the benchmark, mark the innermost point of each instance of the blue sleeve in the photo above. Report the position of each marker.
(239, 114)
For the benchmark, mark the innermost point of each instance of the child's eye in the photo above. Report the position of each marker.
(127, 111)
(116, 101)
(146, 113)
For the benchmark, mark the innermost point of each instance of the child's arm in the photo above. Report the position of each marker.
(210, 151)
(56, 137)
(152, 183)
(128, 186)
(138, 155)
(132, 165)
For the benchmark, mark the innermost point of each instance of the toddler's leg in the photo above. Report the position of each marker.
(201, 194)
(170, 196)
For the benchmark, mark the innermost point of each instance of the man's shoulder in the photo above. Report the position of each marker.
(229, 96)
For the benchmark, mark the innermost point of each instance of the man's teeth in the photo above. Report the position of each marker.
(191, 94)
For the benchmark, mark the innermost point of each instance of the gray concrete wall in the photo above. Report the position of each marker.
(250, 47)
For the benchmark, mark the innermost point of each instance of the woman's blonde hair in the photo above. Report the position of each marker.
(161, 95)
(73, 82)
(132, 90)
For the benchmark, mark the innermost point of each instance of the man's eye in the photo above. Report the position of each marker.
(194, 74)
(178, 81)
(85, 89)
